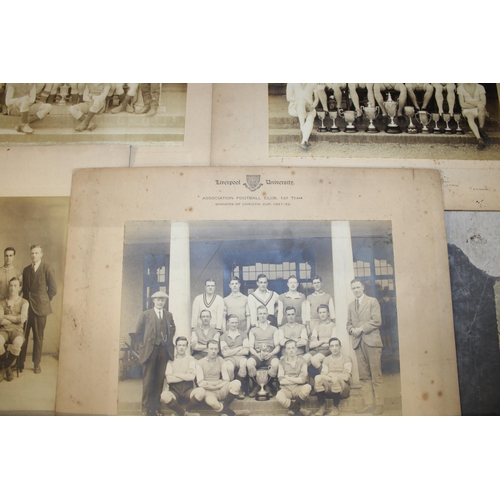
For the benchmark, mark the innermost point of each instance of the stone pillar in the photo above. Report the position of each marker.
(343, 273)
(179, 287)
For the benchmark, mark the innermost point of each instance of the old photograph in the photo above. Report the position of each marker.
(33, 238)
(473, 242)
(266, 333)
(77, 113)
(384, 120)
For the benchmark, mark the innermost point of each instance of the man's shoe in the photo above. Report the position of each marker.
(365, 410)
(334, 412)
(241, 395)
(145, 109)
(82, 126)
(9, 376)
(379, 410)
(253, 392)
(321, 411)
(92, 126)
(481, 145)
(37, 369)
(485, 137)
(152, 111)
(304, 413)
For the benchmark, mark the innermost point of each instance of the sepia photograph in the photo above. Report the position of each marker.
(268, 331)
(33, 238)
(97, 113)
(385, 120)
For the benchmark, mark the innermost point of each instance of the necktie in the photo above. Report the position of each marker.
(357, 305)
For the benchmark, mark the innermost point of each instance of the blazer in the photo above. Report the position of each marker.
(146, 332)
(368, 318)
(40, 292)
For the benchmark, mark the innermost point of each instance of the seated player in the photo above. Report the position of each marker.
(320, 337)
(292, 298)
(94, 102)
(314, 300)
(337, 92)
(472, 98)
(426, 88)
(20, 100)
(212, 376)
(303, 99)
(378, 88)
(13, 314)
(125, 99)
(202, 334)
(234, 350)
(335, 378)
(322, 96)
(294, 331)
(439, 88)
(180, 374)
(292, 376)
(264, 350)
(353, 92)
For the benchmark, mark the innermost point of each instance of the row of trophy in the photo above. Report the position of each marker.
(371, 112)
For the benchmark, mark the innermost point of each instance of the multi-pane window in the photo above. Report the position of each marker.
(361, 269)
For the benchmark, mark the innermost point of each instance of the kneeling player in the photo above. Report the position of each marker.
(264, 349)
(180, 374)
(335, 378)
(292, 375)
(211, 375)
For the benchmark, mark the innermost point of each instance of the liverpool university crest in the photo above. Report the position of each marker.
(253, 182)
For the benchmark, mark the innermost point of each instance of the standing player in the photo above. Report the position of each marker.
(180, 373)
(8, 271)
(335, 378)
(211, 301)
(237, 303)
(291, 298)
(263, 297)
(317, 298)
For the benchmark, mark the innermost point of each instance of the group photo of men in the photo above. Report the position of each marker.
(434, 113)
(82, 107)
(31, 275)
(247, 349)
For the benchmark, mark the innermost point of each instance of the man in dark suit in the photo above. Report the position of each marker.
(156, 330)
(39, 287)
(363, 322)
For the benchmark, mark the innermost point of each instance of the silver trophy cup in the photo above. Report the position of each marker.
(436, 129)
(410, 113)
(424, 118)
(333, 116)
(321, 116)
(262, 377)
(457, 117)
(391, 107)
(371, 112)
(349, 117)
(447, 118)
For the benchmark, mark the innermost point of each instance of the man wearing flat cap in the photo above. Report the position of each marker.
(156, 330)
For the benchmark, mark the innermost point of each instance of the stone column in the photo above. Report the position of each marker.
(179, 287)
(343, 273)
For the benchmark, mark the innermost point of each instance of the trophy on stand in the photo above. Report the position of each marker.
(333, 116)
(447, 118)
(457, 117)
(321, 116)
(262, 377)
(424, 118)
(391, 107)
(371, 112)
(349, 117)
(436, 129)
(64, 91)
(410, 113)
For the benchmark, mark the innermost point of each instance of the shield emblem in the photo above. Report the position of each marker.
(253, 181)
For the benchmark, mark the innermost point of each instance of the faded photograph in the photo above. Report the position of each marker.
(69, 113)
(259, 318)
(385, 120)
(473, 243)
(33, 238)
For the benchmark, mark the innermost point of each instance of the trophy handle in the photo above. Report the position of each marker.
(340, 112)
(377, 111)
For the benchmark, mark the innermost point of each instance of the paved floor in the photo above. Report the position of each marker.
(31, 394)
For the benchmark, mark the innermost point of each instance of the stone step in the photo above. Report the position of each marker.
(99, 135)
(293, 135)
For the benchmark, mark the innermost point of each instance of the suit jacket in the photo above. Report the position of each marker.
(368, 318)
(41, 291)
(146, 332)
